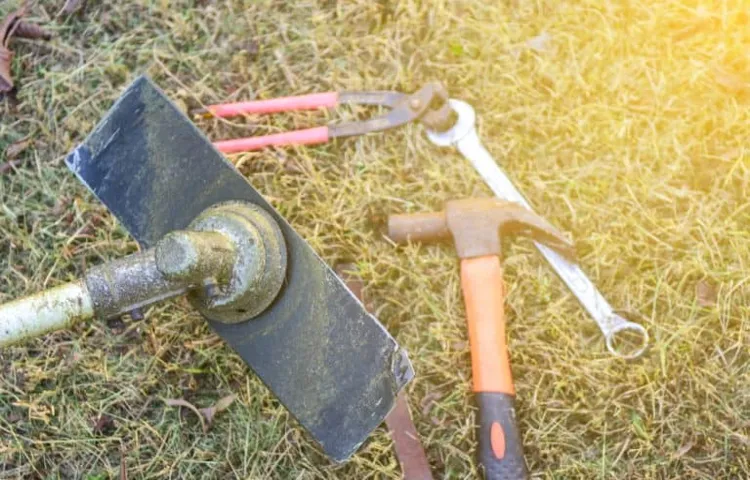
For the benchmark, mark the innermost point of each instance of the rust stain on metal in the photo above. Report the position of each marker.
(128, 283)
(196, 256)
(259, 267)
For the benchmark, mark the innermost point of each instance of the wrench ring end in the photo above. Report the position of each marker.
(631, 327)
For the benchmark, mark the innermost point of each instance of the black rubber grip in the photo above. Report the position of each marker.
(500, 446)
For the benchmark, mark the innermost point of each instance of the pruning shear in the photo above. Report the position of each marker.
(429, 105)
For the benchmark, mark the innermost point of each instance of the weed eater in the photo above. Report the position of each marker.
(208, 234)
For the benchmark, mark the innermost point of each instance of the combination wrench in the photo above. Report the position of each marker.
(463, 136)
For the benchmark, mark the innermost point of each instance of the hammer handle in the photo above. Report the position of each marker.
(500, 446)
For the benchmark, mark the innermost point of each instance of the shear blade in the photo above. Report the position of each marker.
(330, 363)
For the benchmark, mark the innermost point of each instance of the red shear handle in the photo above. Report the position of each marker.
(500, 446)
(310, 136)
(275, 105)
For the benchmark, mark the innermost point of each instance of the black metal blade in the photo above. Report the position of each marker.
(333, 365)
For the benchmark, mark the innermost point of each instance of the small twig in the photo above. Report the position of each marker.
(290, 79)
(123, 464)
(9, 166)
(178, 402)
(71, 6)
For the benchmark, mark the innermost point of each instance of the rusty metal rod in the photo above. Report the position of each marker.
(121, 285)
(129, 283)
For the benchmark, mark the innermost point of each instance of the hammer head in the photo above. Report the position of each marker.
(477, 226)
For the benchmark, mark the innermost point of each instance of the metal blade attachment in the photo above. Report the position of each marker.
(332, 364)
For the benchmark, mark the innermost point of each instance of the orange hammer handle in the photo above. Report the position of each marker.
(484, 295)
(500, 446)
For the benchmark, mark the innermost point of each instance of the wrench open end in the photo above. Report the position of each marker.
(626, 339)
(466, 120)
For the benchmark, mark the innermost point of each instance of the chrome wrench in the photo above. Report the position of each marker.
(463, 136)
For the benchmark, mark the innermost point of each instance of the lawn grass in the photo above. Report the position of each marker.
(623, 122)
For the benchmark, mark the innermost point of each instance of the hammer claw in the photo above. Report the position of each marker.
(528, 224)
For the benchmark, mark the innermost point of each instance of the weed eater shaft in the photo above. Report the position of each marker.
(44, 312)
(178, 262)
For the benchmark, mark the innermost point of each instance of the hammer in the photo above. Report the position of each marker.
(477, 227)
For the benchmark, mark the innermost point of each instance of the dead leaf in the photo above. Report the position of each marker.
(117, 325)
(540, 43)
(103, 425)
(73, 359)
(72, 5)
(293, 167)
(685, 448)
(31, 31)
(460, 346)
(9, 26)
(702, 22)
(123, 464)
(252, 47)
(61, 206)
(208, 413)
(732, 154)
(178, 402)
(219, 406)
(37, 411)
(17, 148)
(731, 81)
(6, 55)
(13, 25)
(8, 166)
(706, 293)
(429, 401)
(181, 105)
(348, 273)
(14, 417)
(744, 439)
